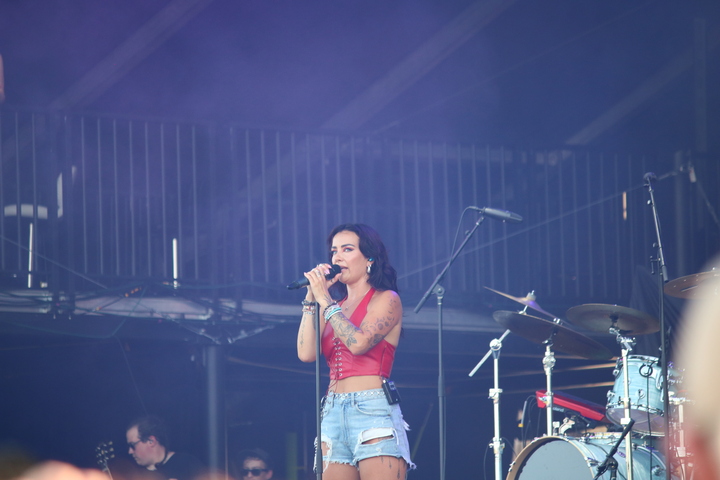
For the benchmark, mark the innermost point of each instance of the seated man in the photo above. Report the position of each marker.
(148, 443)
(254, 464)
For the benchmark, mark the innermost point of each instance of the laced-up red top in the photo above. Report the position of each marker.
(377, 361)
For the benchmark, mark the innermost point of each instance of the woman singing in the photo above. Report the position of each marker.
(363, 435)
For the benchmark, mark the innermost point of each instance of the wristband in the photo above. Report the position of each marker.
(331, 310)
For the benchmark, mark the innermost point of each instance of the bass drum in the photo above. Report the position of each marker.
(561, 458)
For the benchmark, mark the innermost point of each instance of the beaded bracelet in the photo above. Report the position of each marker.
(309, 308)
(331, 305)
(331, 310)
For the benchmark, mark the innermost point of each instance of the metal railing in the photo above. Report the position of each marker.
(106, 199)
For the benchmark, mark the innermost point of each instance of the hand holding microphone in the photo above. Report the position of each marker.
(304, 282)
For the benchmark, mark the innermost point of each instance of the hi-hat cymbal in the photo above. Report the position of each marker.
(528, 301)
(689, 286)
(599, 317)
(564, 339)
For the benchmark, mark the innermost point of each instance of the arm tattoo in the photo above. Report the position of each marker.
(375, 329)
(301, 334)
(344, 330)
(381, 326)
(301, 340)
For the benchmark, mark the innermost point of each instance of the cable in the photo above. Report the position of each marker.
(522, 419)
(485, 457)
(132, 376)
(57, 264)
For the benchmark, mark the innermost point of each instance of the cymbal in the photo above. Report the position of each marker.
(528, 301)
(564, 339)
(599, 317)
(689, 286)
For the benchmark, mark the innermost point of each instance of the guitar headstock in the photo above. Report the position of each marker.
(103, 453)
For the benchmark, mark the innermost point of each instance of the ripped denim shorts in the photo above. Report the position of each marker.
(349, 420)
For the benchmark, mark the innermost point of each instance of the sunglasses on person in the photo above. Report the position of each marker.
(131, 445)
(255, 472)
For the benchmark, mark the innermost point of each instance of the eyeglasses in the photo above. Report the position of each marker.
(255, 472)
(131, 445)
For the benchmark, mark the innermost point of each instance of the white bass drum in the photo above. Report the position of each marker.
(577, 458)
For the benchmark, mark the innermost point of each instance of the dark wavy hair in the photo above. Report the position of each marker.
(256, 453)
(382, 275)
(151, 425)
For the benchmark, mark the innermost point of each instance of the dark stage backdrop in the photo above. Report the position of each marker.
(250, 209)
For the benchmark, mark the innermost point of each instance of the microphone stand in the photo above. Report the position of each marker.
(610, 462)
(318, 396)
(662, 278)
(439, 291)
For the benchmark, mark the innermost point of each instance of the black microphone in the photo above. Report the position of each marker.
(498, 214)
(304, 282)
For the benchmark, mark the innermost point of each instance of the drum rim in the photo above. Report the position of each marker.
(536, 443)
(521, 458)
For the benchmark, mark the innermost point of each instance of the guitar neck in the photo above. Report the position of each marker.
(103, 453)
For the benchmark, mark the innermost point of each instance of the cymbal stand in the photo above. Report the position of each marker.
(548, 365)
(494, 395)
(627, 345)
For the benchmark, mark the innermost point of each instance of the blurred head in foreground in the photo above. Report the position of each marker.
(698, 355)
(52, 470)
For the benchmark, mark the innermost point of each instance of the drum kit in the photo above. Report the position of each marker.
(637, 401)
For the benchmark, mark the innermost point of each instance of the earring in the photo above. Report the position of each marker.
(368, 268)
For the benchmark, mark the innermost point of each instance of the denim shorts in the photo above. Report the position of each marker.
(349, 419)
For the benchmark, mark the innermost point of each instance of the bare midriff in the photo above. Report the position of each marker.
(357, 384)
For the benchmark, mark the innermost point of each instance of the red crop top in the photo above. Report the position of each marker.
(377, 361)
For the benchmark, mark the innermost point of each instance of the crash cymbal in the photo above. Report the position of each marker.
(599, 317)
(564, 339)
(528, 301)
(689, 286)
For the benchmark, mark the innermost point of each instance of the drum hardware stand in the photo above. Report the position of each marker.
(681, 452)
(548, 365)
(627, 345)
(494, 395)
(566, 425)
